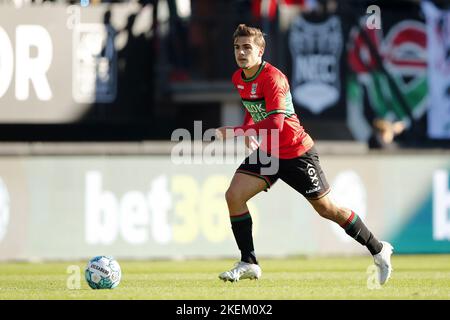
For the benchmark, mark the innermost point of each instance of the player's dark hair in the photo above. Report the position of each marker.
(245, 31)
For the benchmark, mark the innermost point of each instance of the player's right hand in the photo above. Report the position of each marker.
(251, 142)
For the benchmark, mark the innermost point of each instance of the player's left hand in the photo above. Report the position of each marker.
(224, 133)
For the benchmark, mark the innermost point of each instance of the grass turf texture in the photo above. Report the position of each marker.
(414, 277)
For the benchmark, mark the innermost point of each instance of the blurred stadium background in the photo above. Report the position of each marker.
(91, 92)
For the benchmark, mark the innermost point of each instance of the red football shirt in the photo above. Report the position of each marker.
(267, 93)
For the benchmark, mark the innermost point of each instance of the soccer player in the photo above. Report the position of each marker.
(269, 113)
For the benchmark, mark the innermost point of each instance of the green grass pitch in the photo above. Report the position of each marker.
(414, 277)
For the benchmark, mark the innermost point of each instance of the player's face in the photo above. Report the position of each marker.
(246, 52)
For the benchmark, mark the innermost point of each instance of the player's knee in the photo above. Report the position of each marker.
(232, 196)
(325, 209)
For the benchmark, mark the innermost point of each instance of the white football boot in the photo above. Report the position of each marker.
(242, 270)
(383, 262)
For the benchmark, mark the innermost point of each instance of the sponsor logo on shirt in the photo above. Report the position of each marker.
(256, 110)
(240, 87)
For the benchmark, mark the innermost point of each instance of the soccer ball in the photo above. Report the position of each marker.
(103, 272)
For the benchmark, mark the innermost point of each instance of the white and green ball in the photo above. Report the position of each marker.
(103, 272)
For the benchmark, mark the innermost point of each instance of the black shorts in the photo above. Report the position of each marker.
(303, 173)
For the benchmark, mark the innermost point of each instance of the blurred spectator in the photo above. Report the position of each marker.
(384, 133)
(202, 33)
(211, 23)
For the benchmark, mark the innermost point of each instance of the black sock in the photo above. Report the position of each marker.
(356, 229)
(242, 230)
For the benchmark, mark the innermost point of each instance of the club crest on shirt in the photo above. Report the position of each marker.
(254, 86)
